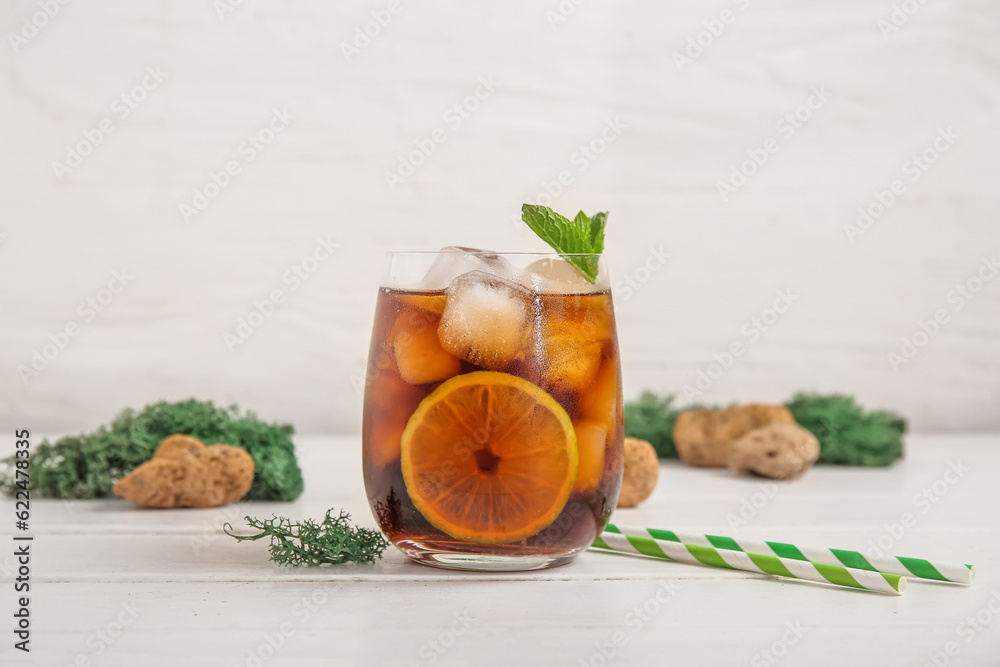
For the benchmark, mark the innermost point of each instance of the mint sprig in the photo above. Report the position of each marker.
(583, 234)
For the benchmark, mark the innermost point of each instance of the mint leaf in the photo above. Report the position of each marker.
(582, 234)
(597, 224)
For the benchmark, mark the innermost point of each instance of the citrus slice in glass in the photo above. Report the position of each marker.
(433, 303)
(489, 458)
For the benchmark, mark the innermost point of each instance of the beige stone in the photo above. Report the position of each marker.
(703, 437)
(185, 473)
(642, 471)
(778, 451)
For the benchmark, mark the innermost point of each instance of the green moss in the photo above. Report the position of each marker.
(652, 419)
(87, 466)
(333, 542)
(848, 434)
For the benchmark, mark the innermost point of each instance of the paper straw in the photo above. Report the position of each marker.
(910, 567)
(647, 545)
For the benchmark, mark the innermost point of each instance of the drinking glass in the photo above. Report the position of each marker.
(492, 428)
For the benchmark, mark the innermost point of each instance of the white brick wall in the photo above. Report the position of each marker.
(558, 87)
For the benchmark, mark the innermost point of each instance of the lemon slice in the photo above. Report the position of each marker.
(489, 458)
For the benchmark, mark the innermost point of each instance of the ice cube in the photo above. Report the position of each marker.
(575, 329)
(554, 276)
(432, 303)
(585, 316)
(455, 261)
(420, 358)
(486, 320)
(600, 402)
(591, 439)
(389, 402)
(572, 362)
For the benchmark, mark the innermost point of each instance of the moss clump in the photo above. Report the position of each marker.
(334, 541)
(847, 433)
(652, 419)
(87, 466)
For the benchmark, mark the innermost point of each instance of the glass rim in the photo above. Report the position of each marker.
(394, 253)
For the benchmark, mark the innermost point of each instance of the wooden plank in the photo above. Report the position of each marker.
(546, 622)
(208, 600)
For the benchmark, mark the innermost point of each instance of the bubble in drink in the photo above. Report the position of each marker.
(455, 261)
(485, 319)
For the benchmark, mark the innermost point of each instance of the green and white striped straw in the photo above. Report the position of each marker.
(909, 567)
(614, 540)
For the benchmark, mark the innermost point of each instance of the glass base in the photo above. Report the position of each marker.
(496, 562)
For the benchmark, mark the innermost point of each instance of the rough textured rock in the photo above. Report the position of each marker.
(703, 437)
(779, 451)
(642, 470)
(185, 473)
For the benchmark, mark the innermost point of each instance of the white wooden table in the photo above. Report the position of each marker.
(116, 585)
